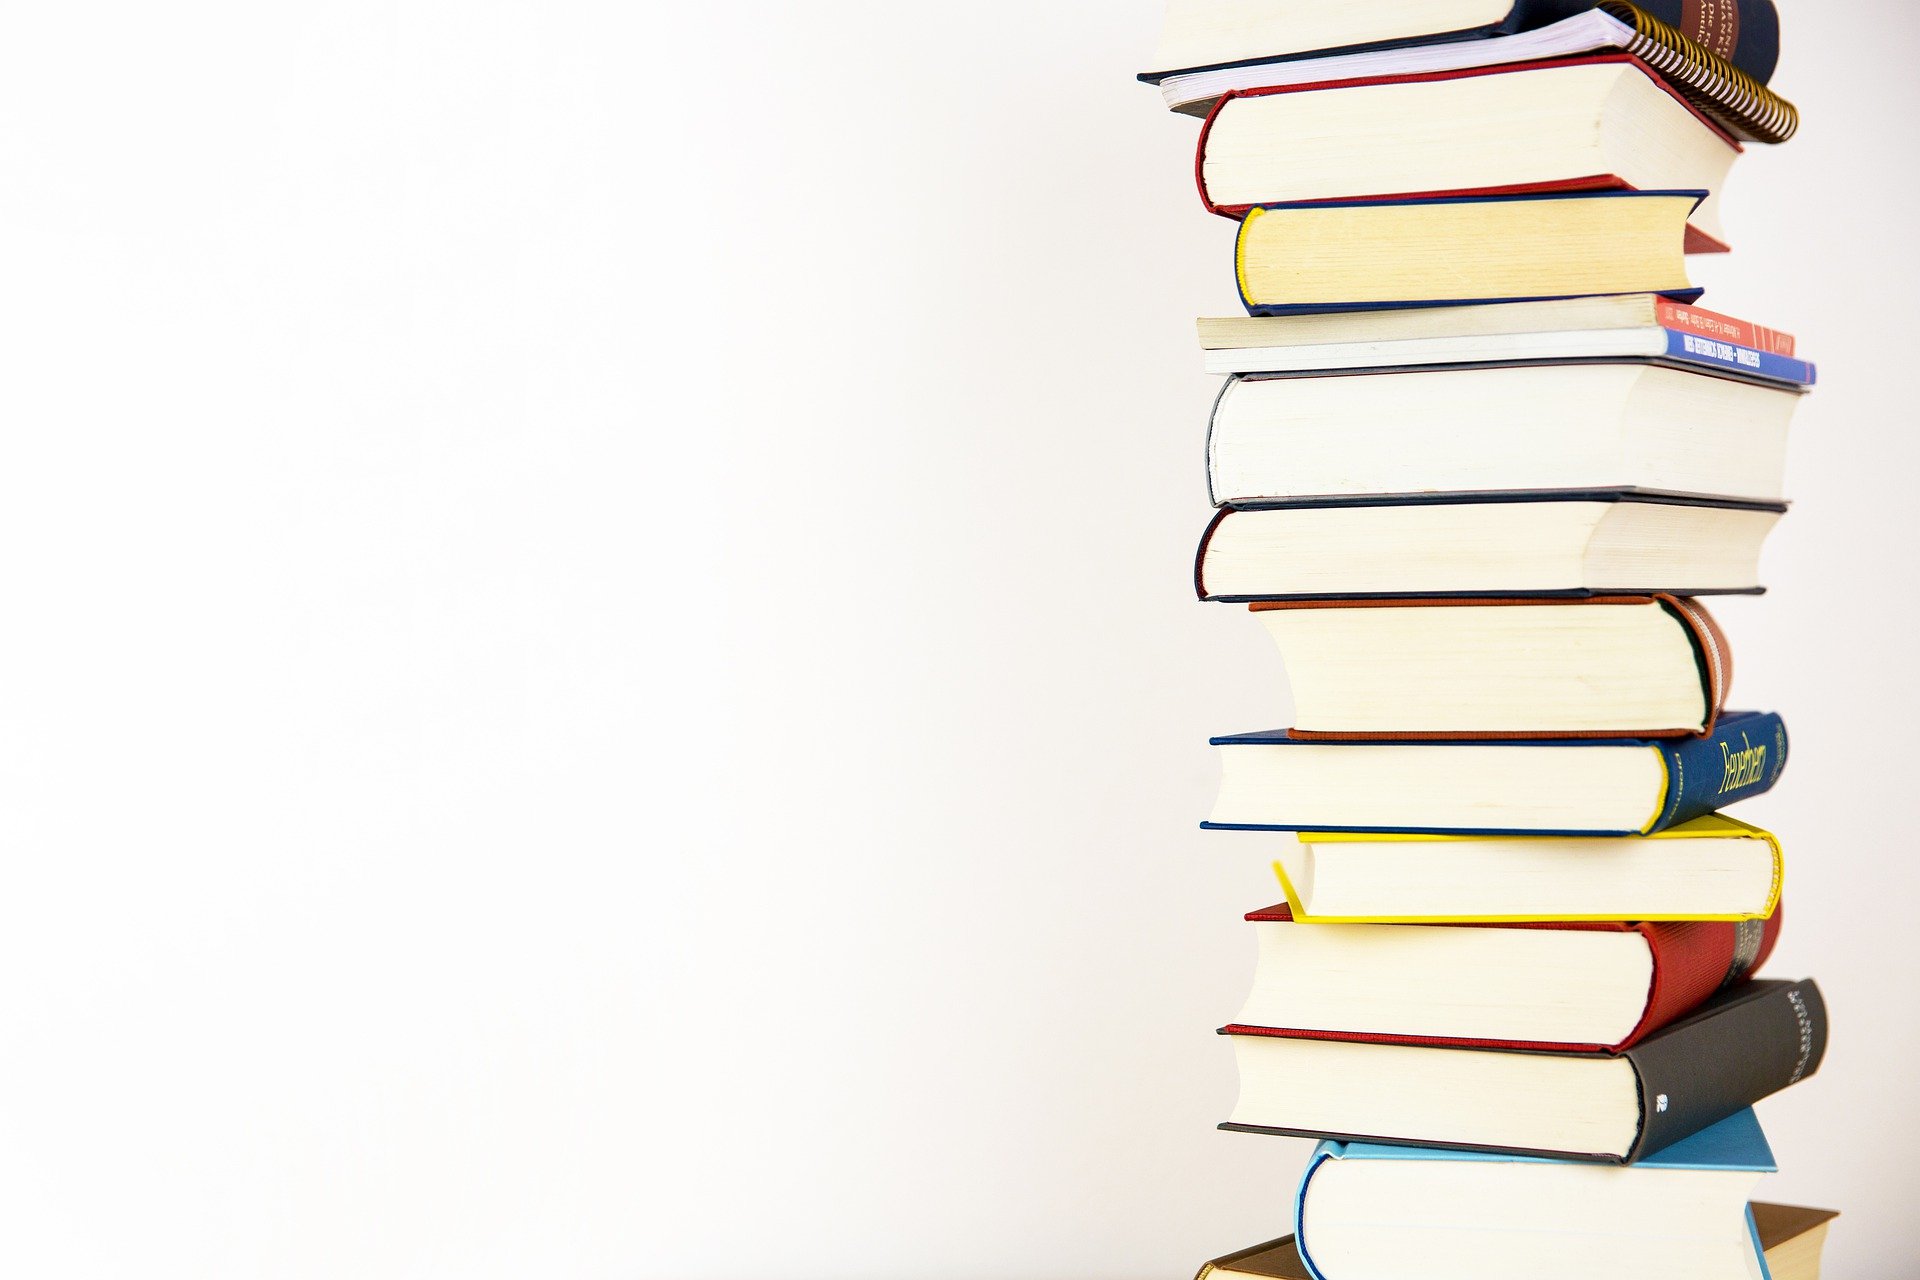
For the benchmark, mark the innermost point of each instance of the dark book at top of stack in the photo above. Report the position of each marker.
(1719, 54)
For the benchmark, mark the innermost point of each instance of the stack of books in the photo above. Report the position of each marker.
(1478, 459)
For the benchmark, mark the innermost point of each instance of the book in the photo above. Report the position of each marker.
(1203, 34)
(1287, 336)
(1792, 1237)
(1745, 107)
(1492, 544)
(1591, 987)
(1656, 345)
(1712, 868)
(1738, 1048)
(1474, 669)
(1662, 348)
(1598, 123)
(1342, 255)
(1273, 781)
(1681, 1214)
(1642, 428)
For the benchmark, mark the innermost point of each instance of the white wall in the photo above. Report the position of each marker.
(598, 677)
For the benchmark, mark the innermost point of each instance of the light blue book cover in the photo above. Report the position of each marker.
(1737, 1144)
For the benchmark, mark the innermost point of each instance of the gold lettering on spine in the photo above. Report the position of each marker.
(1741, 768)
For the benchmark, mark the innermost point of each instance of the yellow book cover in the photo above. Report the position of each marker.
(1624, 856)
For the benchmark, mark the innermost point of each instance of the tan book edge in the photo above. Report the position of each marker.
(1791, 1236)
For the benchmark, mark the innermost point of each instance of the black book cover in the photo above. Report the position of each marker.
(1737, 1049)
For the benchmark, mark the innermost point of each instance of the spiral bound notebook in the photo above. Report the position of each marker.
(1721, 91)
(1732, 98)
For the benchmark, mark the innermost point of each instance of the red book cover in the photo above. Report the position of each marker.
(1692, 961)
(1711, 324)
(1697, 241)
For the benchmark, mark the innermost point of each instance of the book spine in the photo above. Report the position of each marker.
(1759, 1246)
(1714, 353)
(1200, 556)
(1739, 760)
(1321, 1154)
(1698, 1073)
(1711, 324)
(1213, 428)
(1695, 961)
(1710, 650)
(1200, 157)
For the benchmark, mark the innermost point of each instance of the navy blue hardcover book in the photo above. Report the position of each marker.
(1744, 32)
(1550, 787)
(1437, 251)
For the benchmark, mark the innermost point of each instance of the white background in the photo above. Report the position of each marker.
(598, 677)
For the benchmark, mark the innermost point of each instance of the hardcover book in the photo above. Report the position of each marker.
(1473, 670)
(1644, 428)
(1740, 1047)
(1274, 781)
(1793, 1238)
(1680, 1214)
(1712, 868)
(1582, 987)
(1345, 255)
(1602, 123)
(1484, 544)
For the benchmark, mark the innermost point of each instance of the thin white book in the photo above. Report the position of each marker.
(1195, 92)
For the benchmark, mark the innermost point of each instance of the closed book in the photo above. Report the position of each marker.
(1477, 669)
(1366, 1211)
(1740, 103)
(1602, 986)
(1484, 544)
(1713, 868)
(1615, 1108)
(1198, 34)
(1665, 348)
(1312, 331)
(1347, 255)
(1274, 781)
(1649, 427)
(1601, 123)
(1793, 1238)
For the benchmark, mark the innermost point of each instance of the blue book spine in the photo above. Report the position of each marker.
(1714, 354)
(1740, 759)
(1321, 1154)
(1759, 1246)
